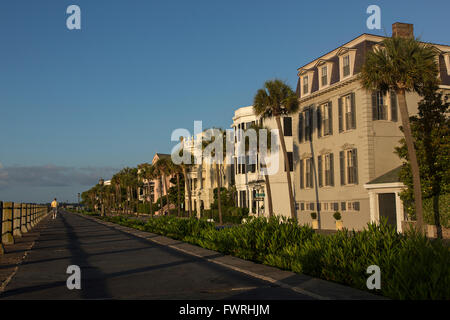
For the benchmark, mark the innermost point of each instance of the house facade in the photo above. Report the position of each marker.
(250, 183)
(346, 137)
(202, 179)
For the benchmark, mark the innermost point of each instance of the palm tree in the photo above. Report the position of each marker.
(163, 168)
(148, 172)
(402, 65)
(218, 168)
(274, 100)
(257, 129)
(184, 168)
(177, 170)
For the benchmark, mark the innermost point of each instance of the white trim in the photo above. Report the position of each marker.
(384, 185)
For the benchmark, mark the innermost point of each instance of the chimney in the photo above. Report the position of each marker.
(403, 30)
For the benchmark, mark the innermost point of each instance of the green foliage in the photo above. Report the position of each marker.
(444, 210)
(412, 266)
(314, 215)
(431, 132)
(232, 215)
(337, 215)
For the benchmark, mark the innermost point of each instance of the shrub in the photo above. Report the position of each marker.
(313, 215)
(412, 266)
(337, 215)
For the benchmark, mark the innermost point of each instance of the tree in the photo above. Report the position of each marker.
(431, 131)
(402, 65)
(176, 170)
(258, 129)
(218, 164)
(275, 100)
(185, 165)
(148, 173)
(163, 166)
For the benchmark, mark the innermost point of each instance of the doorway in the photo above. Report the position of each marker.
(387, 208)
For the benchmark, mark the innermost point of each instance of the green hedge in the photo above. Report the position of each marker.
(444, 210)
(412, 266)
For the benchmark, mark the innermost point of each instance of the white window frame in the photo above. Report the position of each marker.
(344, 52)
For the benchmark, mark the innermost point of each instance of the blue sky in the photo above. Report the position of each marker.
(80, 104)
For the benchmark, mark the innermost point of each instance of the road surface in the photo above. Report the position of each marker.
(118, 265)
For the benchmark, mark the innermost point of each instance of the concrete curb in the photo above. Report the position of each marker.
(312, 287)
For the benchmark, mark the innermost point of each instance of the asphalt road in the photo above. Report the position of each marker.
(117, 265)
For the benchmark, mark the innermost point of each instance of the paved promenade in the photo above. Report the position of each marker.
(121, 263)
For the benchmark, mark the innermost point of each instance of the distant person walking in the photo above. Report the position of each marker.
(54, 208)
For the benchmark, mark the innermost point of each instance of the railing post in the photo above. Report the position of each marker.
(2, 250)
(16, 219)
(23, 218)
(7, 237)
(28, 206)
(32, 215)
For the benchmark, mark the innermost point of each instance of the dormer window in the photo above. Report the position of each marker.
(305, 85)
(346, 65)
(447, 61)
(324, 76)
(346, 62)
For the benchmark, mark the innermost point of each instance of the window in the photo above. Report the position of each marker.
(324, 120)
(329, 172)
(309, 173)
(308, 124)
(305, 125)
(324, 76)
(325, 170)
(351, 166)
(379, 108)
(346, 65)
(343, 206)
(306, 173)
(290, 157)
(347, 112)
(348, 166)
(305, 85)
(287, 126)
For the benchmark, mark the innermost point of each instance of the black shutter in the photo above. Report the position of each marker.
(374, 106)
(355, 165)
(332, 169)
(311, 175)
(330, 118)
(319, 167)
(302, 182)
(340, 115)
(394, 116)
(300, 127)
(353, 111)
(290, 161)
(342, 167)
(319, 122)
(287, 126)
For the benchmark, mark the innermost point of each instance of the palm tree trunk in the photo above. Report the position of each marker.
(268, 190)
(178, 194)
(286, 163)
(150, 197)
(167, 194)
(412, 158)
(219, 197)
(269, 195)
(186, 180)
